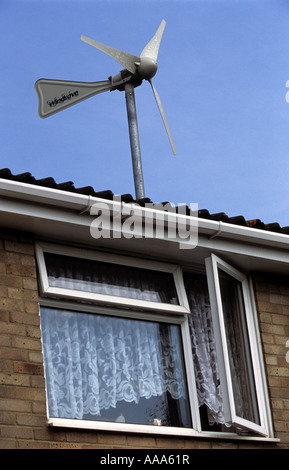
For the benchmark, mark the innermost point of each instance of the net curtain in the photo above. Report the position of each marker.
(94, 361)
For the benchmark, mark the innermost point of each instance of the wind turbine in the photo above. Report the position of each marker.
(56, 95)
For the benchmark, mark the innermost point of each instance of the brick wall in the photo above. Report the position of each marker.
(22, 395)
(272, 297)
(22, 388)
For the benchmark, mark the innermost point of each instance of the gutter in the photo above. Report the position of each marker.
(81, 204)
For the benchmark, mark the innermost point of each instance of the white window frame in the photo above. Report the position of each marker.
(49, 291)
(108, 305)
(182, 321)
(212, 265)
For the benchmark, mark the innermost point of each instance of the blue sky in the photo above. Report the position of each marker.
(223, 68)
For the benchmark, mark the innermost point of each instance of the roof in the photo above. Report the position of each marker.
(49, 182)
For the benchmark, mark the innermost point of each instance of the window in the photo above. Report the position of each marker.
(113, 369)
(129, 343)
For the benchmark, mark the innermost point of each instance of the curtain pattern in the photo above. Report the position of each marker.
(94, 361)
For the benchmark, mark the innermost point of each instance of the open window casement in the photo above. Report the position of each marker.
(236, 345)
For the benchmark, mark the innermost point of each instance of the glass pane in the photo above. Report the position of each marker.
(111, 279)
(238, 348)
(113, 369)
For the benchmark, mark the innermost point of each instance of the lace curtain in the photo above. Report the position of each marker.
(94, 361)
(204, 348)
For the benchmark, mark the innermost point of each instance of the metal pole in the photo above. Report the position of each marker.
(134, 141)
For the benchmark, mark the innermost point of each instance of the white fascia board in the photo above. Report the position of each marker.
(211, 230)
(248, 234)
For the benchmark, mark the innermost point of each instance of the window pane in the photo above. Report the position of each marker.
(238, 348)
(111, 279)
(114, 369)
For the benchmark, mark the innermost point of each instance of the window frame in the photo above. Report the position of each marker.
(169, 313)
(213, 264)
(48, 291)
(182, 321)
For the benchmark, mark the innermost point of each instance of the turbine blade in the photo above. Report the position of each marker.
(124, 58)
(161, 109)
(56, 95)
(151, 50)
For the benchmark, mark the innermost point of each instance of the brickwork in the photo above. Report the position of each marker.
(22, 387)
(22, 395)
(272, 297)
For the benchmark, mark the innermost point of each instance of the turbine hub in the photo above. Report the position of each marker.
(147, 67)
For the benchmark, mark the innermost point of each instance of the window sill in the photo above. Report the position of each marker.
(152, 430)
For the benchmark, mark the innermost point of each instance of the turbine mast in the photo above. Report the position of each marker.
(134, 141)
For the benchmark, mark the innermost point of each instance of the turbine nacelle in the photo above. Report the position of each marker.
(147, 67)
